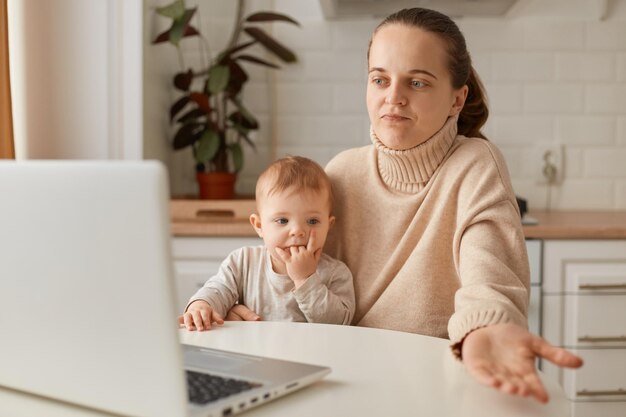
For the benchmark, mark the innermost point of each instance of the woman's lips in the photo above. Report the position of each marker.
(394, 118)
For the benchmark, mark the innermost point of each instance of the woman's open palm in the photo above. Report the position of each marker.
(503, 356)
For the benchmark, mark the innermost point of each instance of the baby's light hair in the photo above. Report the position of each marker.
(293, 172)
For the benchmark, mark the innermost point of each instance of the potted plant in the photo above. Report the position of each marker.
(210, 116)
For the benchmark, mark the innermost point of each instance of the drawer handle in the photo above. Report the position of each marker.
(602, 339)
(602, 287)
(619, 391)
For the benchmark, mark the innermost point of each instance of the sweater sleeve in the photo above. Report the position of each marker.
(333, 303)
(221, 290)
(493, 268)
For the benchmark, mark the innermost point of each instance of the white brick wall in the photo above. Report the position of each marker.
(584, 194)
(585, 66)
(585, 130)
(605, 98)
(492, 34)
(621, 130)
(574, 163)
(621, 67)
(552, 98)
(620, 193)
(525, 66)
(554, 73)
(552, 34)
(608, 162)
(608, 35)
(523, 129)
(504, 99)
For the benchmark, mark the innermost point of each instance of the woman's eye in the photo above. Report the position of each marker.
(378, 81)
(417, 84)
(281, 220)
(313, 221)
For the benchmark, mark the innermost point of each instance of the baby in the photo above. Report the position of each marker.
(288, 278)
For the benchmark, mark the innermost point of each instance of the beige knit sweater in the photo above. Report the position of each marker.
(432, 235)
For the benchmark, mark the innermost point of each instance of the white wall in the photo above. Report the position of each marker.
(555, 73)
(76, 78)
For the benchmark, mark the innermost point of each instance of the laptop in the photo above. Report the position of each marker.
(87, 305)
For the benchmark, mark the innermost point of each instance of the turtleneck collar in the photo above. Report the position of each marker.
(409, 170)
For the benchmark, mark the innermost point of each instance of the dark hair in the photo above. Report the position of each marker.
(475, 112)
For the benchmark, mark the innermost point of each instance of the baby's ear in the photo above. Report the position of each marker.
(255, 221)
(331, 221)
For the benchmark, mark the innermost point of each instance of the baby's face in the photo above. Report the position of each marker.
(287, 219)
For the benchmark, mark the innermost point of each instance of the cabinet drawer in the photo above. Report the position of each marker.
(595, 320)
(595, 409)
(595, 277)
(602, 377)
(196, 259)
(190, 276)
(533, 247)
(534, 310)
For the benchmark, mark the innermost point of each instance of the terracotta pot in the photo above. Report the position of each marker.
(216, 185)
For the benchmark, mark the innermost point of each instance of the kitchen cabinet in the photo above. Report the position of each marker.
(533, 247)
(584, 310)
(197, 258)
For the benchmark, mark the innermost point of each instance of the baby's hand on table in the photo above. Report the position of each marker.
(301, 261)
(199, 316)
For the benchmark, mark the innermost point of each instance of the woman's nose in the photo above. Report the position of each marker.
(395, 95)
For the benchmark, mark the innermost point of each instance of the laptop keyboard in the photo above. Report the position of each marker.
(205, 388)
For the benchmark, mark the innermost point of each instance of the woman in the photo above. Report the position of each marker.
(426, 216)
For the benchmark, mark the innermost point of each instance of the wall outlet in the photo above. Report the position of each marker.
(548, 162)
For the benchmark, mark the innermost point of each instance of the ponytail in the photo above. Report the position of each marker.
(475, 112)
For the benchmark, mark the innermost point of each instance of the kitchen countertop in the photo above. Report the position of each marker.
(230, 218)
(559, 224)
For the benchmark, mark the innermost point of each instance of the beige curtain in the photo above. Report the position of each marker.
(7, 149)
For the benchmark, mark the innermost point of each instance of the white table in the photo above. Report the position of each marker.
(374, 373)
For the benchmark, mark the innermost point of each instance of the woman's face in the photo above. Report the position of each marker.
(409, 90)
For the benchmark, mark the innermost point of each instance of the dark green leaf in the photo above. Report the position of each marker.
(224, 55)
(249, 142)
(174, 10)
(191, 31)
(207, 146)
(178, 106)
(182, 80)
(202, 100)
(237, 79)
(271, 44)
(191, 115)
(245, 113)
(179, 27)
(256, 60)
(218, 78)
(165, 36)
(269, 17)
(237, 154)
(241, 130)
(239, 119)
(187, 135)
